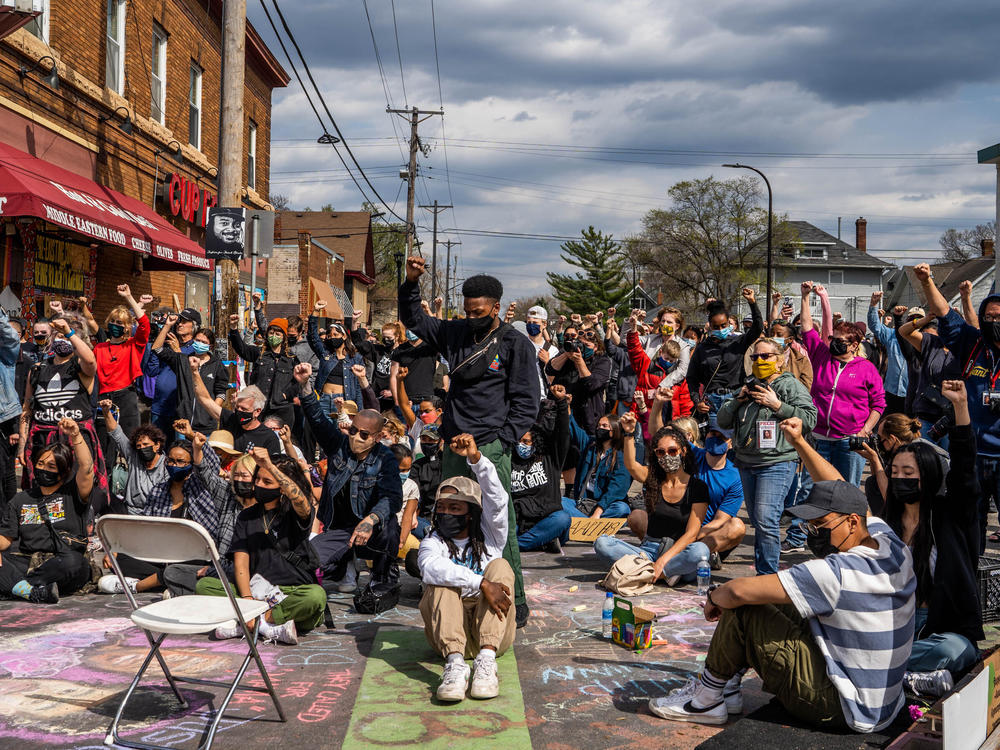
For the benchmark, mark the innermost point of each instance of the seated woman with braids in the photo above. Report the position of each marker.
(467, 583)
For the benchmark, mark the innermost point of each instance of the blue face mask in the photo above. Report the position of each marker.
(692, 342)
(200, 347)
(722, 333)
(411, 336)
(403, 476)
(178, 473)
(587, 352)
(664, 365)
(525, 451)
(716, 446)
(533, 329)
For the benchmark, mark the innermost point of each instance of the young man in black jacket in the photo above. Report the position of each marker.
(494, 394)
(716, 370)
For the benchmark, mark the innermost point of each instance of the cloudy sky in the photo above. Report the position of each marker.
(561, 114)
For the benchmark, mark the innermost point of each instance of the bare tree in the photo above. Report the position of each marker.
(279, 201)
(965, 244)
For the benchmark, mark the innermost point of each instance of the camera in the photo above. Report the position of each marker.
(571, 346)
(751, 382)
(857, 442)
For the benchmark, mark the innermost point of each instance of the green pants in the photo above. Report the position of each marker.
(304, 604)
(776, 641)
(453, 465)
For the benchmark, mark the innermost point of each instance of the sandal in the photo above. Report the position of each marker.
(994, 538)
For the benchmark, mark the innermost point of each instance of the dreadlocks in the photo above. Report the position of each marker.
(475, 550)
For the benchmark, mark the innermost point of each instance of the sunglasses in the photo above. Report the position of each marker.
(813, 530)
(764, 355)
(352, 431)
(589, 335)
(569, 338)
(661, 452)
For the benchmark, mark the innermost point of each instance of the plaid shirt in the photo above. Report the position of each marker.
(226, 505)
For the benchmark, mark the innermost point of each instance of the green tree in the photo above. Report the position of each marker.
(388, 241)
(602, 281)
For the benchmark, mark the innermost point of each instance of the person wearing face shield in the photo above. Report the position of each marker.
(836, 615)
(494, 394)
(468, 585)
(362, 493)
(715, 372)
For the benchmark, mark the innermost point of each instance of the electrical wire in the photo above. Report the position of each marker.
(444, 142)
(399, 56)
(385, 81)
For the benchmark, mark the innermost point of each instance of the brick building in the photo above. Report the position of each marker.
(110, 171)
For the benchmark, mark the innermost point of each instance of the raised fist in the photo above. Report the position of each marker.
(415, 267)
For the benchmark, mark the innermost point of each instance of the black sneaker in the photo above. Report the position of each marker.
(44, 594)
(521, 613)
(788, 547)
(553, 547)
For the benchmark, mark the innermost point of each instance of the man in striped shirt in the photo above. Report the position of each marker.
(829, 637)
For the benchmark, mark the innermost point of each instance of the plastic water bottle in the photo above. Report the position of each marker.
(609, 606)
(704, 576)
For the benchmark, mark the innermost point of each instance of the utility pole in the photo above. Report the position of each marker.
(434, 251)
(447, 269)
(234, 24)
(415, 119)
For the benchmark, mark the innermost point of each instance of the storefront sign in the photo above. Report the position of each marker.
(185, 199)
(61, 266)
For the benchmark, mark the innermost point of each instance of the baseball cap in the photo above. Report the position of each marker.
(713, 426)
(915, 312)
(431, 431)
(460, 488)
(189, 313)
(538, 312)
(831, 496)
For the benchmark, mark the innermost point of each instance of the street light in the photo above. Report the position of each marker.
(770, 210)
(398, 257)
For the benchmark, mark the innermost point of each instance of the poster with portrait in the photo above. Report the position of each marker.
(225, 233)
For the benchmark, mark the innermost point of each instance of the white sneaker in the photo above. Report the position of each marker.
(732, 693)
(285, 633)
(934, 684)
(678, 707)
(454, 682)
(485, 680)
(223, 633)
(110, 584)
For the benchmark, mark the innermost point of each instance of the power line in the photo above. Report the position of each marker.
(385, 80)
(444, 142)
(319, 93)
(399, 55)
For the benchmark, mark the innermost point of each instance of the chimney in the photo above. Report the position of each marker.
(659, 298)
(861, 234)
(987, 248)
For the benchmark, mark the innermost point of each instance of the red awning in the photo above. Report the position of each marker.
(33, 187)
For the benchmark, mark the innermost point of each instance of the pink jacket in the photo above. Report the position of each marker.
(844, 394)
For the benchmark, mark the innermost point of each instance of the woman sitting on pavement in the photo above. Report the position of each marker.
(676, 504)
(602, 481)
(143, 451)
(50, 518)
(534, 478)
(937, 517)
(467, 584)
(271, 550)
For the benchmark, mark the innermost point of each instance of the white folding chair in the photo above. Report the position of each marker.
(175, 540)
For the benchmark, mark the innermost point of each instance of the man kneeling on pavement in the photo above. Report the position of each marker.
(467, 582)
(830, 637)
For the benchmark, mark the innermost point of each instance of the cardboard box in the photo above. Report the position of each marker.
(631, 626)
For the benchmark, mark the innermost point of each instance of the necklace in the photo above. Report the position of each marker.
(268, 525)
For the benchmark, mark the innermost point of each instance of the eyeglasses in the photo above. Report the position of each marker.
(589, 335)
(177, 462)
(569, 338)
(661, 452)
(762, 355)
(352, 431)
(813, 530)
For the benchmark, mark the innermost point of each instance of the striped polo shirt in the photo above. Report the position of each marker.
(860, 607)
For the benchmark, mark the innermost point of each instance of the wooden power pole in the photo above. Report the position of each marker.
(234, 23)
(414, 116)
(447, 273)
(434, 248)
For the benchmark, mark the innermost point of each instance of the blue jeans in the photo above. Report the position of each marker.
(850, 464)
(925, 432)
(684, 564)
(617, 509)
(553, 526)
(764, 491)
(716, 400)
(988, 471)
(949, 651)
(798, 491)
(423, 526)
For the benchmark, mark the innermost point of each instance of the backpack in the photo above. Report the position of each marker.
(631, 575)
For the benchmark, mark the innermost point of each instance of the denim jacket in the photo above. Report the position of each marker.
(375, 484)
(10, 349)
(327, 359)
(612, 480)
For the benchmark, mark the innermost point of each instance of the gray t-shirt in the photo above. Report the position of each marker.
(140, 479)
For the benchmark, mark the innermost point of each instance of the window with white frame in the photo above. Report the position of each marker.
(114, 61)
(39, 25)
(252, 156)
(158, 71)
(194, 106)
(836, 277)
(811, 251)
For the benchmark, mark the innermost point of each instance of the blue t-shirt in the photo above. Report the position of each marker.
(725, 489)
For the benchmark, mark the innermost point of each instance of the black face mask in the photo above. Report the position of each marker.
(243, 489)
(293, 339)
(601, 434)
(481, 325)
(147, 453)
(430, 449)
(46, 478)
(334, 344)
(820, 545)
(906, 489)
(449, 525)
(388, 341)
(245, 417)
(990, 330)
(266, 495)
(838, 347)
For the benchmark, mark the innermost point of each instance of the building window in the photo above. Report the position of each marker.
(836, 277)
(114, 63)
(39, 25)
(252, 156)
(158, 82)
(194, 107)
(807, 251)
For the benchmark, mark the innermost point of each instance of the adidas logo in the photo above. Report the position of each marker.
(53, 395)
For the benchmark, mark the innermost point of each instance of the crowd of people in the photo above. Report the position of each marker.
(449, 446)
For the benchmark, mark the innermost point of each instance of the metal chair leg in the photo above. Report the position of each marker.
(266, 677)
(112, 736)
(166, 672)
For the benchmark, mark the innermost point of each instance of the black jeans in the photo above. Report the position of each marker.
(68, 568)
(334, 550)
(127, 402)
(8, 475)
